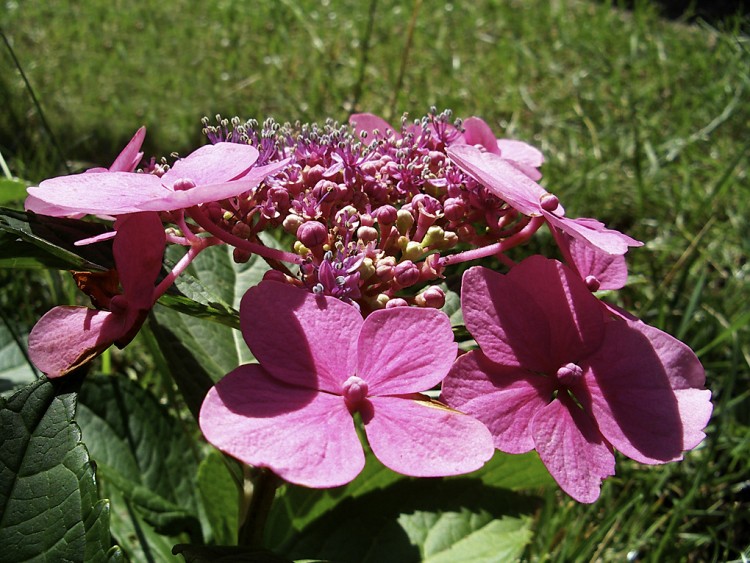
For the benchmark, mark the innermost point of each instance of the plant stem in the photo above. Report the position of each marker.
(257, 497)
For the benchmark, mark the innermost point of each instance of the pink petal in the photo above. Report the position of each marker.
(41, 207)
(405, 350)
(130, 156)
(301, 338)
(592, 232)
(205, 193)
(368, 123)
(520, 152)
(609, 270)
(213, 164)
(477, 132)
(106, 193)
(505, 399)
(423, 438)
(572, 449)
(67, 337)
(631, 383)
(139, 249)
(575, 317)
(305, 437)
(500, 177)
(505, 320)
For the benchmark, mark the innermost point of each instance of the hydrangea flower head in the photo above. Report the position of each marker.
(320, 363)
(557, 374)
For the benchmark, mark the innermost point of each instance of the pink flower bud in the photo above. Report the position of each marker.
(367, 234)
(241, 230)
(396, 302)
(432, 297)
(312, 234)
(385, 215)
(454, 209)
(406, 274)
(313, 175)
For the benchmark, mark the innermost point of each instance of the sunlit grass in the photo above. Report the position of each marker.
(644, 124)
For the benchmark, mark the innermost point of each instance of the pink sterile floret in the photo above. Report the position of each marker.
(510, 184)
(320, 362)
(67, 337)
(211, 173)
(557, 374)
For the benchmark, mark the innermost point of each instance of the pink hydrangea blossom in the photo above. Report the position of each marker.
(67, 337)
(211, 173)
(320, 363)
(126, 161)
(556, 373)
(521, 155)
(512, 185)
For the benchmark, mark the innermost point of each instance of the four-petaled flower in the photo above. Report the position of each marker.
(211, 173)
(320, 363)
(557, 374)
(509, 183)
(67, 337)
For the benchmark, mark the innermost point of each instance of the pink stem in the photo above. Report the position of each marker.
(195, 249)
(492, 249)
(264, 251)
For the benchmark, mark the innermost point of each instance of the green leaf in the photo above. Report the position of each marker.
(54, 237)
(220, 496)
(11, 190)
(15, 369)
(517, 472)
(143, 453)
(226, 554)
(298, 512)
(199, 353)
(48, 495)
(435, 520)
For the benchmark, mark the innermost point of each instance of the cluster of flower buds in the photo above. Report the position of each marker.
(376, 210)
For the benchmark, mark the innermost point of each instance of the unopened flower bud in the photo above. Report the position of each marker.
(413, 251)
(406, 274)
(454, 208)
(241, 230)
(291, 223)
(386, 215)
(466, 233)
(592, 282)
(367, 234)
(386, 268)
(312, 234)
(366, 269)
(396, 302)
(382, 300)
(241, 256)
(434, 237)
(404, 221)
(312, 175)
(432, 297)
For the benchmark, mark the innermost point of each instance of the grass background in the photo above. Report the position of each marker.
(644, 123)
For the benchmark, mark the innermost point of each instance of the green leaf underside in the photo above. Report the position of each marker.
(48, 494)
(146, 463)
(54, 238)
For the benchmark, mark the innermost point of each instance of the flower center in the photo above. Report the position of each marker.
(354, 391)
(183, 184)
(569, 374)
(549, 202)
